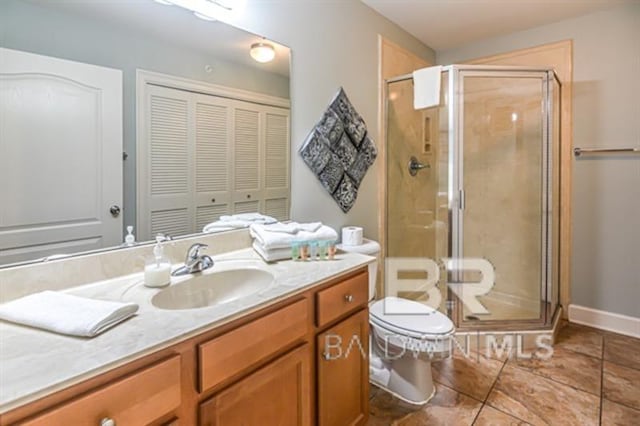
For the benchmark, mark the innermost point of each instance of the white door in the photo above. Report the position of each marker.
(60, 156)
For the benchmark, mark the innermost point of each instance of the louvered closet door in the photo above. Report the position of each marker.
(213, 178)
(168, 176)
(247, 158)
(276, 162)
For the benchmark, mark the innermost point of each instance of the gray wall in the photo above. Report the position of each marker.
(334, 43)
(35, 29)
(606, 108)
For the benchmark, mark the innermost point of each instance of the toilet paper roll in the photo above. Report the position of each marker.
(351, 235)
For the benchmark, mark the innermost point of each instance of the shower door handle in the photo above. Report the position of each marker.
(415, 166)
(461, 199)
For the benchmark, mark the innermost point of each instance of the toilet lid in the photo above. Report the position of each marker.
(410, 317)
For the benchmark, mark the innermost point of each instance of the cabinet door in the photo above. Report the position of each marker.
(343, 372)
(278, 394)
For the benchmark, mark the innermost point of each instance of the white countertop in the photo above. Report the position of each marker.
(36, 363)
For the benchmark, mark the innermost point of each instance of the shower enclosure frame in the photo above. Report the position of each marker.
(456, 197)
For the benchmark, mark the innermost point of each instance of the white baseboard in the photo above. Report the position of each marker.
(623, 324)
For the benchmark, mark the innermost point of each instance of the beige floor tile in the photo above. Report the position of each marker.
(618, 415)
(384, 409)
(489, 416)
(571, 368)
(538, 400)
(448, 407)
(581, 339)
(472, 375)
(621, 384)
(622, 350)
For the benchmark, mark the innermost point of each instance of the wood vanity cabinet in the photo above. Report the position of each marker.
(277, 394)
(343, 372)
(302, 361)
(139, 398)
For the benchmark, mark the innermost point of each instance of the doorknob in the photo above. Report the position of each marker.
(115, 211)
(415, 166)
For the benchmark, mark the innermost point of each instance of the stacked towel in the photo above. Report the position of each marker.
(270, 239)
(237, 221)
(250, 217)
(273, 254)
(66, 314)
(273, 241)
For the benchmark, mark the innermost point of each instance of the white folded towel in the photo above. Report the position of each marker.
(426, 87)
(292, 227)
(273, 254)
(310, 227)
(287, 228)
(65, 313)
(249, 217)
(272, 240)
(225, 225)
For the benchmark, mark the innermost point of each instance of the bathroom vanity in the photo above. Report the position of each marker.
(295, 354)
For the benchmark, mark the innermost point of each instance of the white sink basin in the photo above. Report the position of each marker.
(213, 288)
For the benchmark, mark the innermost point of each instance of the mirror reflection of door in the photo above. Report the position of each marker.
(60, 156)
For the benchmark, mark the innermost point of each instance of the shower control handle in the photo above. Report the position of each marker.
(415, 166)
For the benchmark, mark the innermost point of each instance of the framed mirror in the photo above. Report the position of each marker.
(137, 113)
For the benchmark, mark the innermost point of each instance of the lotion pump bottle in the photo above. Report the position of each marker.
(157, 272)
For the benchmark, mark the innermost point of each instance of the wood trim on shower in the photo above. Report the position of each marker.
(558, 55)
(393, 60)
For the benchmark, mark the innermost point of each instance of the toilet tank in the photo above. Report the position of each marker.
(370, 248)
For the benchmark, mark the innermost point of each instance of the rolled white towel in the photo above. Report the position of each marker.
(249, 217)
(273, 254)
(66, 314)
(272, 240)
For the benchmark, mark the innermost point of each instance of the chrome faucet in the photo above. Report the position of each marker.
(194, 262)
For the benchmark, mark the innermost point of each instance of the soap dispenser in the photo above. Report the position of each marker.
(129, 239)
(157, 271)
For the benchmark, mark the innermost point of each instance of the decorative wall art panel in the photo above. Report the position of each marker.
(339, 151)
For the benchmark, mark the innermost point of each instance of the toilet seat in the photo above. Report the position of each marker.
(409, 318)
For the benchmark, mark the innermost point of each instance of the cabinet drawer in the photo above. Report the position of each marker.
(231, 353)
(137, 399)
(342, 298)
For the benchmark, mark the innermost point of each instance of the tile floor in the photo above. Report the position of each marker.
(592, 379)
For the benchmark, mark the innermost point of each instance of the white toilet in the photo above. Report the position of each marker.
(405, 337)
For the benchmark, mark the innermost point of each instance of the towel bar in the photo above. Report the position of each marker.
(580, 151)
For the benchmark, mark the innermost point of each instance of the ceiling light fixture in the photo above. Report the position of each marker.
(262, 52)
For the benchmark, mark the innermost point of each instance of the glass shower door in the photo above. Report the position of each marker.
(502, 174)
(417, 218)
